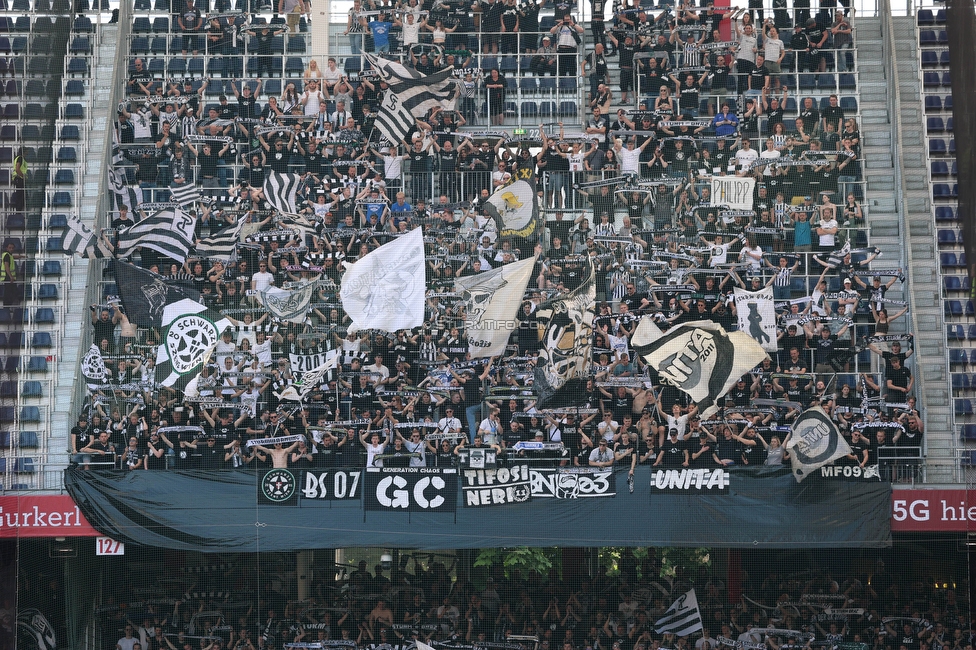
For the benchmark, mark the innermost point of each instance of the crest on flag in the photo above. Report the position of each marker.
(815, 441)
(514, 210)
(385, 288)
(289, 305)
(190, 335)
(565, 350)
(757, 316)
(699, 358)
(682, 618)
(491, 303)
(93, 368)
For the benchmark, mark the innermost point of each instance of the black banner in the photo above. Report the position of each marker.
(494, 487)
(332, 485)
(573, 483)
(411, 489)
(765, 507)
(277, 487)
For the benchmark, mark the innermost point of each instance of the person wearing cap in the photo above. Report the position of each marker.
(799, 43)
(544, 60)
(674, 452)
(817, 37)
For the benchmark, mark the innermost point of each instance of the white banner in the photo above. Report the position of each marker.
(491, 303)
(757, 316)
(733, 191)
(385, 289)
(291, 306)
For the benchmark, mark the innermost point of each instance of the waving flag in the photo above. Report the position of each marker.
(145, 294)
(682, 618)
(93, 368)
(699, 358)
(814, 442)
(190, 334)
(280, 191)
(514, 210)
(491, 302)
(186, 194)
(221, 245)
(125, 195)
(565, 352)
(80, 240)
(169, 232)
(411, 95)
(385, 289)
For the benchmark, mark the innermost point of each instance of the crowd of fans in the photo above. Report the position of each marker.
(421, 601)
(629, 194)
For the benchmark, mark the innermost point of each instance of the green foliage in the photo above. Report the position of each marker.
(688, 560)
(520, 560)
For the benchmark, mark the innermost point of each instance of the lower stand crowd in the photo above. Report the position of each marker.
(872, 611)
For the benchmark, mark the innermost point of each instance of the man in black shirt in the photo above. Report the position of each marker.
(674, 452)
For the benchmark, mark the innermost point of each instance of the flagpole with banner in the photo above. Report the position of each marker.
(682, 618)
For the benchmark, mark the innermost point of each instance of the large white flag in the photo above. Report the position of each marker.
(699, 358)
(757, 316)
(491, 303)
(288, 304)
(385, 289)
(814, 442)
(682, 618)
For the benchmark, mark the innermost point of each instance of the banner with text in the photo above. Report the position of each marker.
(411, 489)
(733, 191)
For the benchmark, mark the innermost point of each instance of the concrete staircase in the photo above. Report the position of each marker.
(900, 213)
(70, 390)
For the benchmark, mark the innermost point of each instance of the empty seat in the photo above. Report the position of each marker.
(948, 261)
(36, 364)
(31, 389)
(45, 315)
(947, 236)
(929, 59)
(64, 177)
(941, 191)
(27, 440)
(74, 88)
(51, 268)
(77, 66)
(826, 81)
(7, 414)
(944, 213)
(568, 108)
(80, 45)
(939, 168)
(933, 103)
(24, 465)
(968, 432)
(956, 332)
(807, 82)
(43, 339)
(934, 124)
(925, 37)
(952, 283)
(67, 155)
(74, 111)
(926, 17)
(931, 79)
(141, 25)
(944, 59)
(530, 109)
(937, 147)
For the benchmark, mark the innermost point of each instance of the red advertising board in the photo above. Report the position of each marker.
(933, 511)
(42, 515)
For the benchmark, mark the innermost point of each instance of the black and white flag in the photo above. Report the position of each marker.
(280, 190)
(757, 316)
(145, 294)
(682, 618)
(169, 232)
(565, 351)
(699, 358)
(190, 335)
(223, 244)
(125, 195)
(81, 241)
(491, 303)
(411, 95)
(288, 304)
(93, 368)
(186, 194)
(814, 442)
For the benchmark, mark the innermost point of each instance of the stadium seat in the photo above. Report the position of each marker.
(931, 79)
(547, 85)
(74, 111)
(929, 59)
(51, 268)
(530, 109)
(141, 25)
(45, 315)
(568, 109)
(937, 147)
(940, 17)
(74, 88)
(952, 283)
(944, 59)
(23, 466)
(31, 388)
(933, 103)
(963, 407)
(529, 84)
(807, 82)
(956, 332)
(43, 339)
(934, 125)
(968, 432)
(947, 103)
(947, 236)
(927, 37)
(939, 168)
(36, 364)
(827, 82)
(943, 38)
(27, 440)
(83, 24)
(547, 109)
(946, 80)
(47, 291)
(925, 17)
(294, 65)
(847, 81)
(941, 191)
(7, 414)
(67, 155)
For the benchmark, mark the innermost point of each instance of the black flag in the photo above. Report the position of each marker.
(144, 294)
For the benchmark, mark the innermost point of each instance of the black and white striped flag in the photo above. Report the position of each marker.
(682, 618)
(411, 95)
(280, 190)
(130, 197)
(186, 194)
(169, 232)
(81, 241)
(221, 245)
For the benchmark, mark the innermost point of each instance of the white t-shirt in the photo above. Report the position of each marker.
(411, 33)
(772, 48)
(746, 45)
(372, 451)
(629, 159)
(263, 352)
(768, 155)
(746, 157)
(827, 240)
(392, 166)
(312, 101)
(262, 280)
